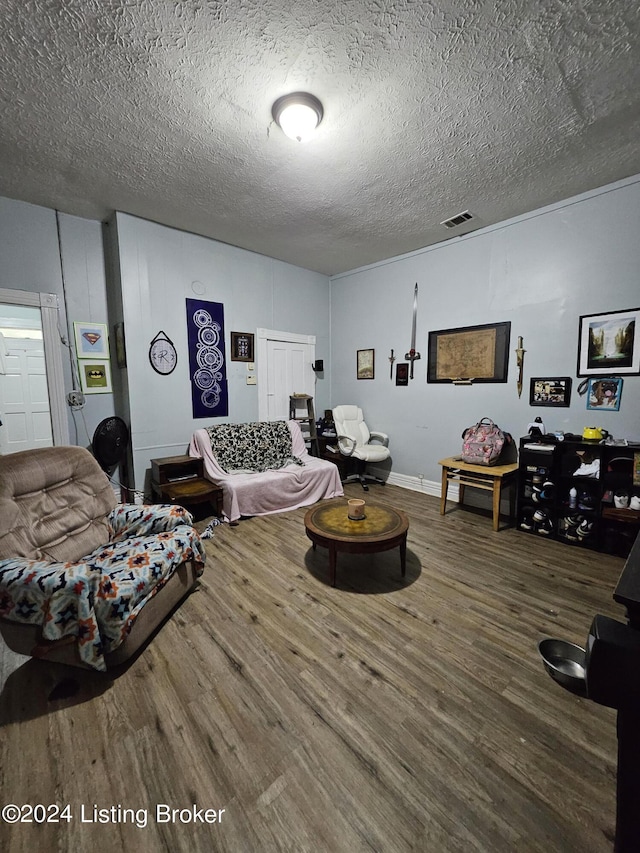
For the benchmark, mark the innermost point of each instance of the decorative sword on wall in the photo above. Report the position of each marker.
(520, 362)
(412, 355)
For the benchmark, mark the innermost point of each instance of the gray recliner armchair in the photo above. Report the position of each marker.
(356, 442)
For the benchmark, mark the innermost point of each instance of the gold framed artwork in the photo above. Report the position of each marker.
(469, 353)
(365, 364)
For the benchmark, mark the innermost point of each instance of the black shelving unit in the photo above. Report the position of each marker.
(567, 491)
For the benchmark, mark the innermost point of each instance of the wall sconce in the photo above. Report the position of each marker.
(298, 115)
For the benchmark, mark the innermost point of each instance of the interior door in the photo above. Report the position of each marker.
(289, 371)
(24, 396)
(285, 367)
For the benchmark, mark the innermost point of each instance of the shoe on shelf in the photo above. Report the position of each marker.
(584, 528)
(586, 501)
(588, 469)
(546, 527)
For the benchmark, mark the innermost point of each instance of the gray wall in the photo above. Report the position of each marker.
(30, 260)
(540, 272)
(160, 268)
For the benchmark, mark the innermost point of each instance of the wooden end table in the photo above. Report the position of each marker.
(488, 477)
(181, 480)
(328, 524)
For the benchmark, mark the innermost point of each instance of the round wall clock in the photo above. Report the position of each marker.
(162, 354)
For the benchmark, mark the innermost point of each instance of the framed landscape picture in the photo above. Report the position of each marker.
(608, 343)
(365, 364)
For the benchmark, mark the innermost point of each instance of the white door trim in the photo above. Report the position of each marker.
(48, 305)
(263, 336)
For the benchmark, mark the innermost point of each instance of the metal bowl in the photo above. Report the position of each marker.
(565, 663)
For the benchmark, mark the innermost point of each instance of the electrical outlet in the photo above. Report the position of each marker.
(252, 380)
(421, 476)
(75, 399)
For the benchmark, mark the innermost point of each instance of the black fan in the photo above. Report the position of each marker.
(110, 443)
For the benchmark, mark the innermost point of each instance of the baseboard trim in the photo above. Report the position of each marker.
(416, 484)
(473, 497)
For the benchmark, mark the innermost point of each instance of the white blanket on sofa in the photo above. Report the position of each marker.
(266, 492)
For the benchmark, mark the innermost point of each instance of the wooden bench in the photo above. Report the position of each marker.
(488, 477)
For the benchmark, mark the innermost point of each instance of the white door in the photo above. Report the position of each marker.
(285, 367)
(24, 397)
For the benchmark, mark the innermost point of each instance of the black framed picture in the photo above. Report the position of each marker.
(550, 392)
(242, 346)
(608, 343)
(471, 353)
(402, 373)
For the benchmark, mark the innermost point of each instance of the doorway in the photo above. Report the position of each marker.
(24, 399)
(32, 394)
(285, 367)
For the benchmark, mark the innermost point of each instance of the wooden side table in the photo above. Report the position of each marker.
(488, 477)
(342, 462)
(181, 480)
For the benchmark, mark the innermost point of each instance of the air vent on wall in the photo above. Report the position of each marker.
(459, 219)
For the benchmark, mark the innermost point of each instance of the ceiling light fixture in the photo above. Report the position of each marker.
(298, 115)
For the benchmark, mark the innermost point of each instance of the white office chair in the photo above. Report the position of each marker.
(355, 442)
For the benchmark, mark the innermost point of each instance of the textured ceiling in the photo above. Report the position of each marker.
(162, 109)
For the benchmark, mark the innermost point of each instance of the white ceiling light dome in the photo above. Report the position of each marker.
(298, 115)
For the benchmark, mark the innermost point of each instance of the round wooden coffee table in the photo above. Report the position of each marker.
(383, 528)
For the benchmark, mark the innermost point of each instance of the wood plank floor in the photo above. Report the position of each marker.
(380, 715)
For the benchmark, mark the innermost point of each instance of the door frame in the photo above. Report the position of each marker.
(48, 305)
(264, 336)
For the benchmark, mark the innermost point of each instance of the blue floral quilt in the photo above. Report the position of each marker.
(97, 599)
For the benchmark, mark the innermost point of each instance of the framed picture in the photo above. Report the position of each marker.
(365, 364)
(550, 392)
(472, 353)
(92, 340)
(242, 346)
(121, 353)
(608, 343)
(402, 373)
(95, 377)
(603, 395)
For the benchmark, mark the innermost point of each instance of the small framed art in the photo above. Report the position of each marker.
(242, 346)
(365, 368)
(121, 352)
(95, 377)
(550, 392)
(402, 373)
(609, 343)
(92, 340)
(603, 395)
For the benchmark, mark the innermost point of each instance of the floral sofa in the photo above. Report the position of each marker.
(85, 580)
(263, 467)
